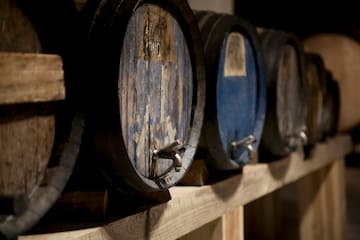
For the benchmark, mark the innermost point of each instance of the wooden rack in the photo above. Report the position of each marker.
(217, 211)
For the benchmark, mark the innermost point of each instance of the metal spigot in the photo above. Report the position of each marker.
(244, 143)
(171, 152)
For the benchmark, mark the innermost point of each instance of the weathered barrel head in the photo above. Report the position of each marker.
(147, 74)
(236, 88)
(285, 127)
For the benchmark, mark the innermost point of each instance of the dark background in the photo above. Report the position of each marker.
(303, 17)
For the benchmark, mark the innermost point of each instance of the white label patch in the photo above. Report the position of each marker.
(235, 60)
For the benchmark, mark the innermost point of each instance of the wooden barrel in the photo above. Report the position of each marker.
(147, 96)
(341, 55)
(235, 89)
(316, 85)
(35, 161)
(285, 123)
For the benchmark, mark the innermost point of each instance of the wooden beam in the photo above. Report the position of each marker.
(233, 224)
(193, 207)
(30, 77)
(210, 231)
(227, 227)
(322, 204)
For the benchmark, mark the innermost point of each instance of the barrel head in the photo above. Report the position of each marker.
(289, 94)
(285, 124)
(236, 90)
(155, 90)
(236, 93)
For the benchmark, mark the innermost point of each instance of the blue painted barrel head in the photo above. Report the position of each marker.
(236, 92)
(236, 89)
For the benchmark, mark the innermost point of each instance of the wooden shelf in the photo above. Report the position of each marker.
(192, 207)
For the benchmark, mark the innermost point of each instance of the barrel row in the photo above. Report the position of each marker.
(149, 87)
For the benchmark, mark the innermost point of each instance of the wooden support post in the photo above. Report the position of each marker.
(262, 218)
(322, 204)
(312, 208)
(233, 224)
(227, 227)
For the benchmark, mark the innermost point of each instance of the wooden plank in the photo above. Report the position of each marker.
(322, 204)
(27, 133)
(227, 227)
(211, 231)
(192, 207)
(263, 214)
(30, 77)
(233, 224)
(67, 235)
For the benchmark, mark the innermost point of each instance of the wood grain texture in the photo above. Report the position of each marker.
(26, 139)
(235, 60)
(16, 31)
(289, 113)
(233, 224)
(341, 57)
(26, 130)
(155, 87)
(311, 208)
(30, 77)
(192, 207)
(285, 120)
(227, 227)
(210, 231)
(197, 174)
(322, 204)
